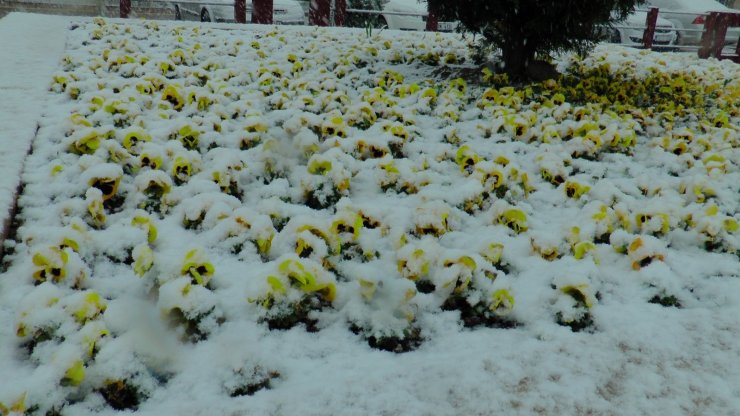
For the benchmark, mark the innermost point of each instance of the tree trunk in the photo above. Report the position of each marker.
(516, 58)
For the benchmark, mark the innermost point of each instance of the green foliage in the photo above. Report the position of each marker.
(252, 382)
(365, 20)
(524, 28)
(666, 300)
(410, 340)
(121, 394)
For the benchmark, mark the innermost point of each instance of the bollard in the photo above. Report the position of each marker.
(262, 12)
(715, 32)
(650, 22)
(727, 20)
(240, 11)
(707, 37)
(340, 12)
(736, 23)
(124, 8)
(720, 33)
(432, 20)
(318, 12)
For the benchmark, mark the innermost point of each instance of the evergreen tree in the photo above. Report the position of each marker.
(363, 19)
(523, 28)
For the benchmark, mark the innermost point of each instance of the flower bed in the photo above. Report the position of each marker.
(280, 178)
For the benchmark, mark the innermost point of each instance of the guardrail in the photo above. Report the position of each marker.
(334, 13)
(320, 13)
(713, 33)
(712, 40)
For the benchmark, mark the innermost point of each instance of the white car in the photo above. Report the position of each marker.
(630, 31)
(283, 11)
(394, 14)
(692, 15)
(404, 22)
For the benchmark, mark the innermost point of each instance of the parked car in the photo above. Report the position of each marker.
(693, 17)
(630, 31)
(394, 14)
(283, 11)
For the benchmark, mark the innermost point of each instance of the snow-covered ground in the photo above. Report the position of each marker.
(194, 189)
(29, 51)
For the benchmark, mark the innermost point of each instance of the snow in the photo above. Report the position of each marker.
(163, 260)
(23, 84)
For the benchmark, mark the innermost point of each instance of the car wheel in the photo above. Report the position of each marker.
(178, 13)
(205, 16)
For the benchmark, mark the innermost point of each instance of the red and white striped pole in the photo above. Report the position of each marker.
(262, 12)
(340, 12)
(432, 20)
(650, 21)
(240, 11)
(124, 8)
(720, 33)
(318, 12)
(715, 34)
(709, 35)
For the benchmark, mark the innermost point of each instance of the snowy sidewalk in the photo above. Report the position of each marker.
(30, 49)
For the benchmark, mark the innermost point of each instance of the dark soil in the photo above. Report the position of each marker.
(478, 315)
(262, 382)
(299, 314)
(666, 300)
(584, 323)
(411, 340)
(121, 395)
